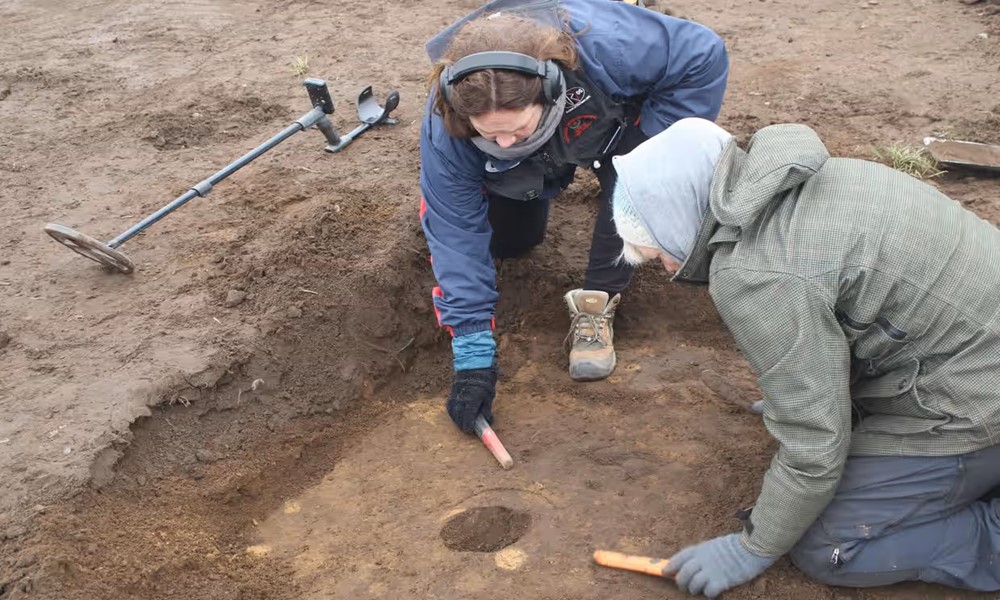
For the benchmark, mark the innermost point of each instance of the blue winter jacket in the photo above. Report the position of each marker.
(678, 66)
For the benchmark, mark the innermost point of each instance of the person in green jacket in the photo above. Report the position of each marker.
(868, 305)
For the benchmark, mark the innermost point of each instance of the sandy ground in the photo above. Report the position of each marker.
(141, 460)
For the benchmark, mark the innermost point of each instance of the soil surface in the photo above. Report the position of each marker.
(256, 413)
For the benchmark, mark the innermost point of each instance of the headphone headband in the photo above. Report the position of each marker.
(546, 70)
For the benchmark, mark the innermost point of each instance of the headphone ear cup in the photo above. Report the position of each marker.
(552, 81)
(444, 88)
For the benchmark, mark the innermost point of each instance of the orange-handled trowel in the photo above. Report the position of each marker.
(492, 442)
(631, 562)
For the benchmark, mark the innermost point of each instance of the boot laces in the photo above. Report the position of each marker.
(587, 328)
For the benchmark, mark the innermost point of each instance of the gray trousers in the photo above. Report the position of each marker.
(897, 519)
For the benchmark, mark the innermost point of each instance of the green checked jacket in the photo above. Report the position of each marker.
(845, 283)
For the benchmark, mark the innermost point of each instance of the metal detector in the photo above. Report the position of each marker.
(369, 112)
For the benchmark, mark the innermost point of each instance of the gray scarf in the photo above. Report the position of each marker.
(547, 126)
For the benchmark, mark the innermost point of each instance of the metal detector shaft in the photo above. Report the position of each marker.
(316, 116)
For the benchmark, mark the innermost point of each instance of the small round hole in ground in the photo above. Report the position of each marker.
(485, 529)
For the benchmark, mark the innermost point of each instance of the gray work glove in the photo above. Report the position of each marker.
(714, 566)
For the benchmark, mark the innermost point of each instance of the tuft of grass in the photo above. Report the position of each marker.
(912, 160)
(300, 65)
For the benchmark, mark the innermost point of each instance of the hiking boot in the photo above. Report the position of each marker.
(591, 334)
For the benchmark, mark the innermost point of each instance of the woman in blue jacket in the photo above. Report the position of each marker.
(524, 92)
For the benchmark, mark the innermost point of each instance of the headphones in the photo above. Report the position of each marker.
(547, 70)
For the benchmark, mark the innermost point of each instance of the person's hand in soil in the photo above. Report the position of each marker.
(472, 394)
(715, 566)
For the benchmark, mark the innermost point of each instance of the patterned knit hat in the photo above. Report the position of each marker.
(627, 222)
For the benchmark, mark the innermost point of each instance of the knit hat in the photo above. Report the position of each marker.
(663, 186)
(630, 227)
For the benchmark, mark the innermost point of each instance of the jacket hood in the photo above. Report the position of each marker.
(777, 159)
(664, 186)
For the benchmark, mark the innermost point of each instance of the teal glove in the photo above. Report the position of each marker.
(714, 566)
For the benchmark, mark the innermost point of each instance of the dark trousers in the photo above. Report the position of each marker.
(908, 518)
(519, 226)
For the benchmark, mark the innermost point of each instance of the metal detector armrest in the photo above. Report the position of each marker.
(370, 113)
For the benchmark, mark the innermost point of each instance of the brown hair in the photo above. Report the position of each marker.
(498, 89)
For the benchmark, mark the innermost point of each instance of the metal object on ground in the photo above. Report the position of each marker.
(957, 153)
(108, 255)
(630, 562)
(492, 442)
(371, 114)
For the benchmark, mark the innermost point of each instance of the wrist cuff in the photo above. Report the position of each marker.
(473, 351)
